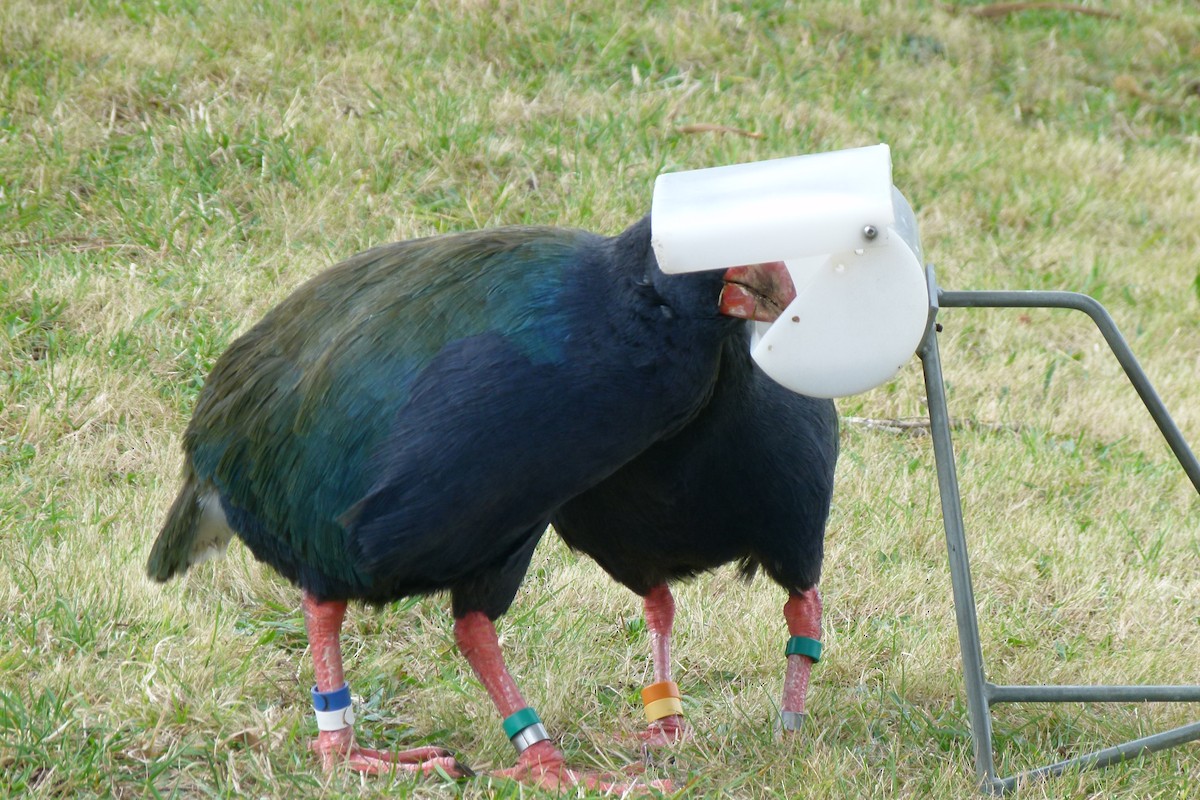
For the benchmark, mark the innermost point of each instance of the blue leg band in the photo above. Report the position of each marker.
(333, 708)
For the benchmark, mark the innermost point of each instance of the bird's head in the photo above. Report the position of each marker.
(757, 292)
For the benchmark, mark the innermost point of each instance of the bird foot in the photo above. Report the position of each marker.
(542, 765)
(337, 748)
(664, 733)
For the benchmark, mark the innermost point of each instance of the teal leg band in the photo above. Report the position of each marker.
(520, 721)
(524, 729)
(804, 646)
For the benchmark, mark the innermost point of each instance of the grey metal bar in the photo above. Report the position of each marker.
(1120, 348)
(981, 694)
(960, 566)
(1103, 758)
(1092, 694)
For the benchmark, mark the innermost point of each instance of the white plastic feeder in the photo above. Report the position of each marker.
(848, 239)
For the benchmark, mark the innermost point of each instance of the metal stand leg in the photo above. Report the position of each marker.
(960, 566)
(980, 693)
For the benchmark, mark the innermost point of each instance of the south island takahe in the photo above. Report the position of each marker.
(408, 421)
(748, 480)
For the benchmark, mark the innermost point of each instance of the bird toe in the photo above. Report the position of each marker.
(663, 733)
(549, 771)
(338, 750)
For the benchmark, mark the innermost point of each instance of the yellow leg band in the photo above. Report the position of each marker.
(665, 707)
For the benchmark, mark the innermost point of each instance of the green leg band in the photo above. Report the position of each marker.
(524, 729)
(804, 646)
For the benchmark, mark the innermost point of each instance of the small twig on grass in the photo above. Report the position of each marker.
(69, 244)
(1004, 9)
(919, 426)
(708, 127)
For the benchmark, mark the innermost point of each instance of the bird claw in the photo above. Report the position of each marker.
(338, 749)
(545, 769)
(664, 733)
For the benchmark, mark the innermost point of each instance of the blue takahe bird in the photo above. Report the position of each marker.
(749, 480)
(408, 421)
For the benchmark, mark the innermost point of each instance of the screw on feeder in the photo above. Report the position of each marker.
(870, 232)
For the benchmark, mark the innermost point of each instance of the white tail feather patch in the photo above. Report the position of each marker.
(213, 532)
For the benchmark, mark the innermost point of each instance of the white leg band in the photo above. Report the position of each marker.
(335, 720)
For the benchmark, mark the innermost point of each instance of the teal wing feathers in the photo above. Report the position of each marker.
(294, 411)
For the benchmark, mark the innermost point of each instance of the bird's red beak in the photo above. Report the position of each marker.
(757, 291)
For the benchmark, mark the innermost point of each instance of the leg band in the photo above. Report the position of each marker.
(333, 709)
(524, 729)
(791, 720)
(804, 646)
(662, 700)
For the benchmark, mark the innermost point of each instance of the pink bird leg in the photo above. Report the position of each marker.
(803, 614)
(323, 620)
(541, 764)
(659, 608)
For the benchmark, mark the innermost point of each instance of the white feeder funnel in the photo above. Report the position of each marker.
(848, 239)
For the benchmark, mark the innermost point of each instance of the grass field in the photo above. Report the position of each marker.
(169, 169)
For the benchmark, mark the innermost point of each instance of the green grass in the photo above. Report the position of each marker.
(171, 169)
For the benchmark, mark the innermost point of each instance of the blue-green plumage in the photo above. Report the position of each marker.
(408, 420)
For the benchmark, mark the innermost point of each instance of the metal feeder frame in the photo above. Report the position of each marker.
(981, 693)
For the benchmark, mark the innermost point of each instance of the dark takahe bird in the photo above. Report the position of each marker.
(408, 421)
(748, 480)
